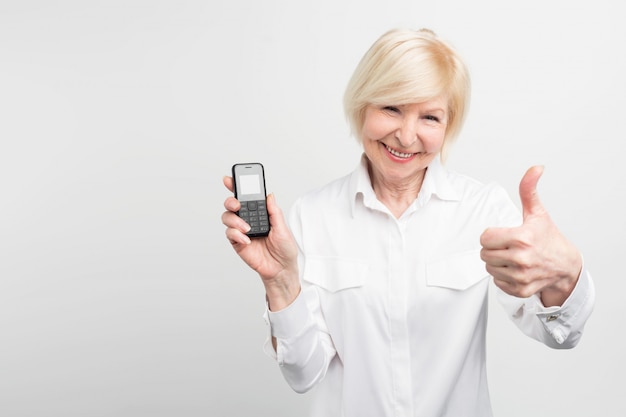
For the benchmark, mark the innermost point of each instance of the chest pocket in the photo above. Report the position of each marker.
(334, 274)
(458, 271)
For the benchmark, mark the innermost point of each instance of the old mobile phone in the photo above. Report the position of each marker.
(250, 190)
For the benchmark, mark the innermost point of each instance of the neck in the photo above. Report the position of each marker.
(397, 196)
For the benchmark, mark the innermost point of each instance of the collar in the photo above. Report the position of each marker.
(436, 183)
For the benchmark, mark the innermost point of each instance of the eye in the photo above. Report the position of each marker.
(431, 117)
(392, 109)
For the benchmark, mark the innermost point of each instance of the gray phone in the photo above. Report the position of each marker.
(249, 189)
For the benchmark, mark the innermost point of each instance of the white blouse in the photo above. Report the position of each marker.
(392, 316)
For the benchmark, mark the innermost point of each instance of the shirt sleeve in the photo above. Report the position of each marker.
(559, 327)
(304, 347)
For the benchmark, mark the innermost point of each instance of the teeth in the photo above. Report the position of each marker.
(398, 154)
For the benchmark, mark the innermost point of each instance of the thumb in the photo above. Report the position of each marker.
(277, 220)
(528, 191)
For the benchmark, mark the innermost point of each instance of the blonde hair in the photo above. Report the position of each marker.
(408, 66)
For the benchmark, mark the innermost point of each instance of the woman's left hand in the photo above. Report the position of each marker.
(534, 258)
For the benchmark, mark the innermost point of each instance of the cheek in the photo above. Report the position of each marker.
(376, 127)
(433, 141)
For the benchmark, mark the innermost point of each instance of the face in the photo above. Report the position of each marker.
(400, 141)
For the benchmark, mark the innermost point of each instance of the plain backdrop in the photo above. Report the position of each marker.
(119, 294)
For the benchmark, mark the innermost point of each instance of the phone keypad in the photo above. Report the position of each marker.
(255, 214)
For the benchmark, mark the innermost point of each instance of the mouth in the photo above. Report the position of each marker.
(398, 154)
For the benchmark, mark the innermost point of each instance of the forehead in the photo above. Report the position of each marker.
(437, 103)
(431, 105)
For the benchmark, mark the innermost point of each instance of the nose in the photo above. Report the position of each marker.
(407, 133)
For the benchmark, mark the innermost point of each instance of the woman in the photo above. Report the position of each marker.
(377, 293)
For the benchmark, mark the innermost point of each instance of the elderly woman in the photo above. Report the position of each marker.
(377, 293)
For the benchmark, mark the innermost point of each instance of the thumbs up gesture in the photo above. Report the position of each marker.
(533, 258)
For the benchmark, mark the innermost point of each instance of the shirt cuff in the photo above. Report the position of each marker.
(286, 325)
(289, 322)
(559, 321)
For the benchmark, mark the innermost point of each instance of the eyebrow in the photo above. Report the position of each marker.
(435, 109)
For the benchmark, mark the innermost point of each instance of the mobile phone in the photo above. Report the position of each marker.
(249, 189)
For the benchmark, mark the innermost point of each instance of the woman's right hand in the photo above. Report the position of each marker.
(274, 258)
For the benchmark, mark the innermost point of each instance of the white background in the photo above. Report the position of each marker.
(120, 296)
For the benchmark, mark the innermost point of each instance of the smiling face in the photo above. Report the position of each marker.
(401, 141)
(407, 66)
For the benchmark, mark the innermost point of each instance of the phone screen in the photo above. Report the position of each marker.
(249, 184)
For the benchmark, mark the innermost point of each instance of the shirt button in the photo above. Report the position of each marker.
(552, 317)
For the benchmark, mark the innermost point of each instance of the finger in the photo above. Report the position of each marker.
(505, 285)
(232, 221)
(228, 182)
(232, 204)
(516, 288)
(277, 220)
(528, 191)
(495, 258)
(236, 237)
(499, 273)
(236, 228)
(503, 276)
(497, 238)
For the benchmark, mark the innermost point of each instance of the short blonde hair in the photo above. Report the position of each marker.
(408, 66)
